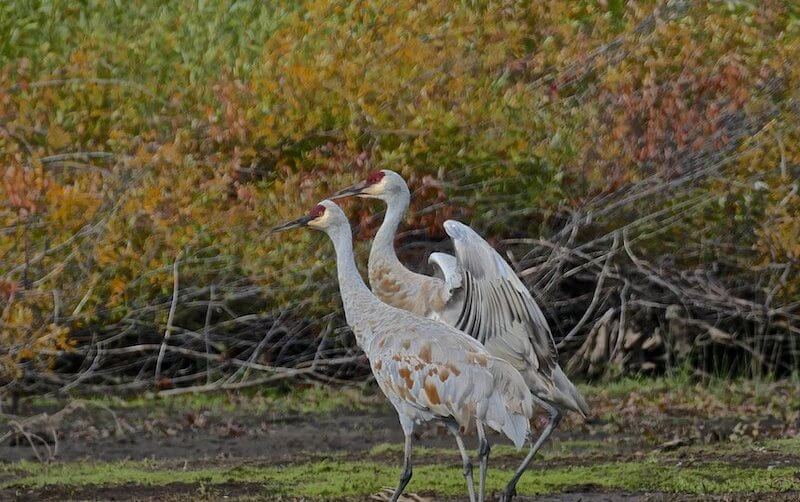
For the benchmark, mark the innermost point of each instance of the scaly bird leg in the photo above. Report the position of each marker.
(555, 418)
(483, 458)
(405, 477)
(466, 461)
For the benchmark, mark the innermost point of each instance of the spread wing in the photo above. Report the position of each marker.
(493, 306)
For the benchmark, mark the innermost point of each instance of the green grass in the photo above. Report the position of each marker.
(316, 399)
(553, 450)
(728, 467)
(679, 391)
(321, 478)
(789, 445)
(329, 478)
(684, 387)
(325, 399)
(572, 450)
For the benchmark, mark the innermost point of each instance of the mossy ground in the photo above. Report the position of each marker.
(356, 478)
(307, 400)
(650, 436)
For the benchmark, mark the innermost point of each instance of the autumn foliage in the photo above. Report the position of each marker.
(141, 142)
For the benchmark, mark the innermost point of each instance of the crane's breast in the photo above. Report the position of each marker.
(395, 289)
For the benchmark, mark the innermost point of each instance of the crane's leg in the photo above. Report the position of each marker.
(405, 477)
(465, 460)
(555, 418)
(483, 458)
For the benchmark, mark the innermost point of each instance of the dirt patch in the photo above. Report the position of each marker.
(254, 491)
(202, 436)
(199, 438)
(213, 437)
(172, 491)
(617, 496)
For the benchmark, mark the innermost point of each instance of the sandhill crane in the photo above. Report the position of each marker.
(428, 370)
(477, 292)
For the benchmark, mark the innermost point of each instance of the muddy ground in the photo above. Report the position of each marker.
(261, 449)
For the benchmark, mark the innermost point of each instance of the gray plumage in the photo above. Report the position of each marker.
(428, 370)
(495, 307)
(475, 291)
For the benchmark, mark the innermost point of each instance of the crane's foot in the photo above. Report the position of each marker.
(507, 495)
(385, 495)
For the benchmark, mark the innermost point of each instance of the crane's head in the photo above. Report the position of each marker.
(323, 216)
(383, 184)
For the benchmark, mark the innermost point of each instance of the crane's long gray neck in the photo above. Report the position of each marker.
(383, 244)
(358, 300)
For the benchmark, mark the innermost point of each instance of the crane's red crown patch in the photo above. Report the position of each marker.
(375, 177)
(317, 211)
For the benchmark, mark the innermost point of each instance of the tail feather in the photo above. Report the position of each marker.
(511, 406)
(517, 428)
(514, 425)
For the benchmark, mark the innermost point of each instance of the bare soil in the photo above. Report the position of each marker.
(202, 438)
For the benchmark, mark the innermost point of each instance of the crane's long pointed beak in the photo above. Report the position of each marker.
(350, 191)
(299, 222)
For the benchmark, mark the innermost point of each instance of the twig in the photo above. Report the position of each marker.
(206, 328)
(623, 298)
(170, 316)
(286, 373)
(49, 422)
(80, 156)
(574, 331)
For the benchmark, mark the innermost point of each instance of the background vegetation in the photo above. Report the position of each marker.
(637, 161)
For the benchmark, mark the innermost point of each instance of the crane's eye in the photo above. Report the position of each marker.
(375, 177)
(317, 211)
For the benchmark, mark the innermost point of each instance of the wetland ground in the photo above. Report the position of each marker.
(664, 439)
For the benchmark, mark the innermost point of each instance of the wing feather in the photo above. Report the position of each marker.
(494, 306)
(447, 267)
